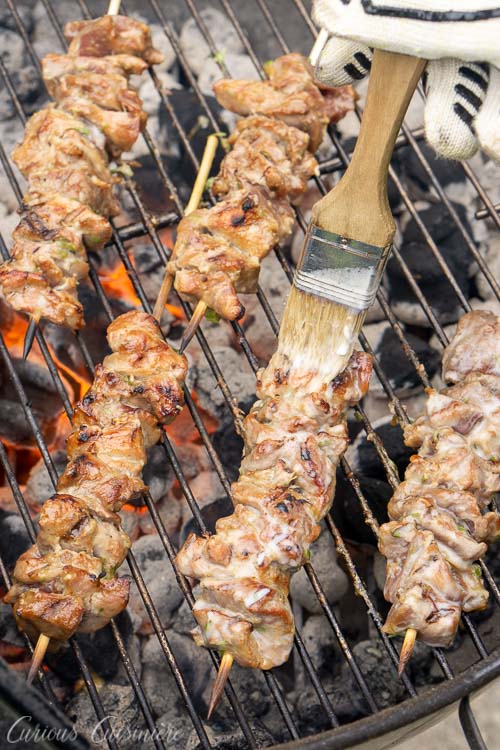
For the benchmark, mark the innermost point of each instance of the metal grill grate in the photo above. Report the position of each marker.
(484, 662)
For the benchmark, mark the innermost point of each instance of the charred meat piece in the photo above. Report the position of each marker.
(218, 250)
(269, 153)
(121, 129)
(54, 138)
(111, 35)
(440, 523)
(294, 437)
(48, 259)
(290, 94)
(78, 182)
(66, 582)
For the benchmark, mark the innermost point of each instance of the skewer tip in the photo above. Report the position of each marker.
(220, 681)
(38, 656)
(406, 649)
(30, 337)
(193, 324)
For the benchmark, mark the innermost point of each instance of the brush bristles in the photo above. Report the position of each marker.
(318, 334)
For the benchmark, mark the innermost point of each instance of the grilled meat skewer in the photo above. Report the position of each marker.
(271, 160)
(440, 523)
(65, 159)
(294, 437)
(66, 582)
(219, 249)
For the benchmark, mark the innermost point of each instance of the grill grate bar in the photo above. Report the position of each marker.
(136, 684)
(149, 224)
(370, 607)
(490, 208)
(458, 222)
(335, 164)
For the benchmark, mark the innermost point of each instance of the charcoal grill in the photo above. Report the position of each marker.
(381, 728)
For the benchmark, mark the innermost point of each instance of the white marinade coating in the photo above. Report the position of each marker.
(440, 524)
(294, 437)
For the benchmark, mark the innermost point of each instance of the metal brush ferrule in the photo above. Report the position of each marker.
(340, 269)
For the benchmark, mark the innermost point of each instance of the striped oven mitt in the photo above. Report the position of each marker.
(461, 40)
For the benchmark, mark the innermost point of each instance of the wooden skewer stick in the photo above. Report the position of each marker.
(196, 318)
(317, 49)
(220, 681)
(38, 656)
(199, 187)
(406, 649)
(114, 7)
(44, 640)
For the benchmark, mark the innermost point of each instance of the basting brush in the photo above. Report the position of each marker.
(350, 235)
(345, 250)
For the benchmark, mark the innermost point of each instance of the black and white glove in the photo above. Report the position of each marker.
(461, 40)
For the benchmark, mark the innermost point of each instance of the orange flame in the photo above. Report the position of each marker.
(177, 312)
(116, 283)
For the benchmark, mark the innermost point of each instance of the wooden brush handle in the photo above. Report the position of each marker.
(358, 207)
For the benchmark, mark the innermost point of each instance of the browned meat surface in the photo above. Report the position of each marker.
(63, 159)
(103, 98)
(338, 100)
(49, 258)
(294, 437)
(108, 91)
(475, 347)
(77, 182)
(121, 129)
(55, 138)
(290, 94)
(66, 582)
(218, 250)
(268, 153)
(55, 67)
(111, 35)
(440, 523)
